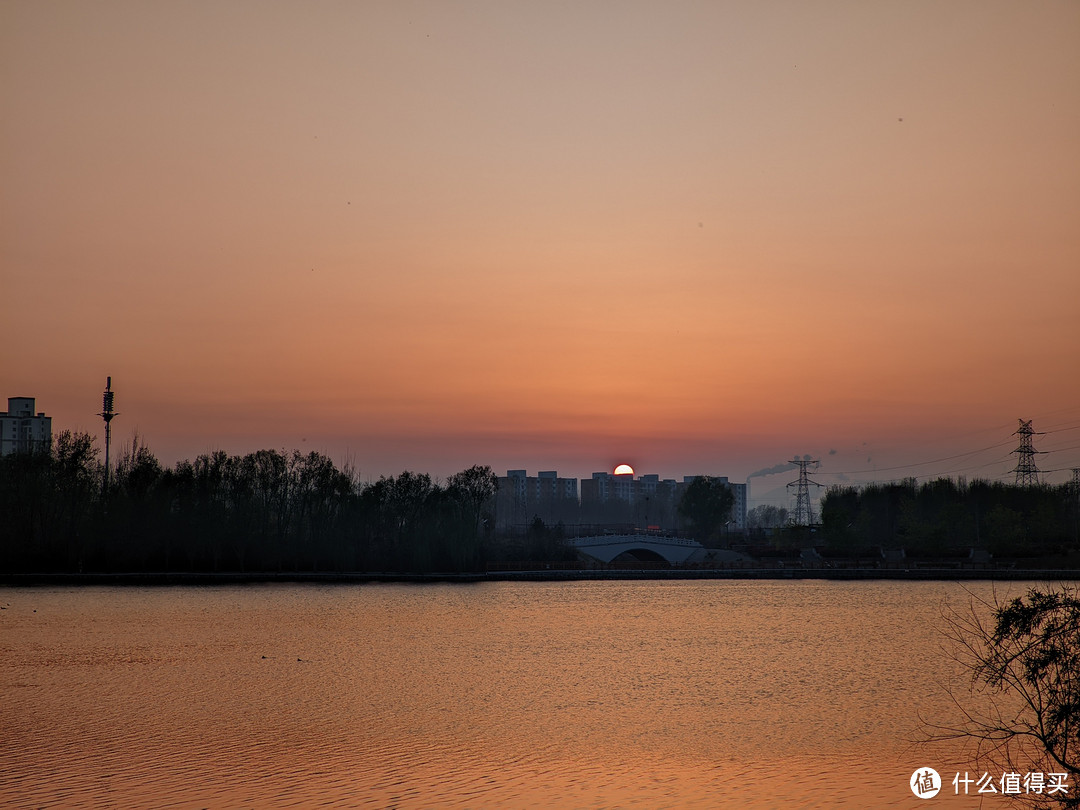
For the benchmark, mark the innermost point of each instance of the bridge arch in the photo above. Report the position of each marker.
(639, 555)
(636, 548)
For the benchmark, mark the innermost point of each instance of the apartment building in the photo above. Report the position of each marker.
(23, 431)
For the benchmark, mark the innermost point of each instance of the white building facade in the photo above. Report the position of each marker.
(23, 431)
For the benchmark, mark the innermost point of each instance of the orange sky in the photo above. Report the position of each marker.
(697, 236)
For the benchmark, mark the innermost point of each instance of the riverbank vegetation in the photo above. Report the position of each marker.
(943, 517)
(264, 511)
(275, 511)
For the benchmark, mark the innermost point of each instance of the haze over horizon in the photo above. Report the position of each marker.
(697, 237)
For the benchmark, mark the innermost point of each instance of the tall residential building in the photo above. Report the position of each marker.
(643, 502)
(646, 501)
(522, 497)
(21, 431)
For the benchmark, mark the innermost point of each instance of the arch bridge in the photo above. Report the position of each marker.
(639, 547)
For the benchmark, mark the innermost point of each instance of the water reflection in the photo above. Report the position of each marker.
(585, 694)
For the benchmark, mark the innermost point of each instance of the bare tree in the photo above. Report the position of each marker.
(766, 516)
(475, 487)
(1022, 706)
(707, 504)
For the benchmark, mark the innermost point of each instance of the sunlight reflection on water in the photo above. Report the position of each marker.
(587, 694)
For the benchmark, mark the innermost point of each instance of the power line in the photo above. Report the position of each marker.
(1052, 429)
(892, 468)
(1059, 410)
(1063, 449)
(954, 471)
(1060, 427)
(918, 463)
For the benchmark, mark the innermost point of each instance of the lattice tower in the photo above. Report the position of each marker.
(1027, 474)
(804, 511)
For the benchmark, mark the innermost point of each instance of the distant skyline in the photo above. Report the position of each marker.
(995, 461)
(696, 237)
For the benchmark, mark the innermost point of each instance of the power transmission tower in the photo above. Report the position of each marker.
(804, 512)
(1027, 475)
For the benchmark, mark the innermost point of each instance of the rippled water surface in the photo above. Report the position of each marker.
(583, 694)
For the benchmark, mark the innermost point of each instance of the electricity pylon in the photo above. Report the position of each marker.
(804, 512)
(1027, 475)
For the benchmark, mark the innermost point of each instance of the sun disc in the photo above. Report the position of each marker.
(624, 469)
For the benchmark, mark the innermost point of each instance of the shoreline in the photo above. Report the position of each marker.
(534, 575)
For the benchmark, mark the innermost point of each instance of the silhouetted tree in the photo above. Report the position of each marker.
(214, 519)
(320, 491)
(942, 516)
(77, 477)
(547, 543)
(1023, 708)
(707, 504)
(473, 489)
(766, 516)
(137, 530)
(49, 499)
(394, 520)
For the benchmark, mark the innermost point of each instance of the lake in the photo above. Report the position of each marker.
(647, 694)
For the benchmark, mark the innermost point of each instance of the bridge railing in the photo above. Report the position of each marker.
(638, 539)
(591, 565)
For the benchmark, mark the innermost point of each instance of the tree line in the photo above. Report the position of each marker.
(265, 511)
(271, 511)
(943, 516)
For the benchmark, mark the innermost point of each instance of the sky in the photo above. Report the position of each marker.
(697, 237)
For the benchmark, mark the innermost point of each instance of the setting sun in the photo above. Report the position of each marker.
(624, 469)
(419, 267)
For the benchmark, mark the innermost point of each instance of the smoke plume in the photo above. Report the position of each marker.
(779, 468)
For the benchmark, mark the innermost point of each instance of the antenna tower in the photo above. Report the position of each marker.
(804, 512)
(107, 414)
(1027, 475)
